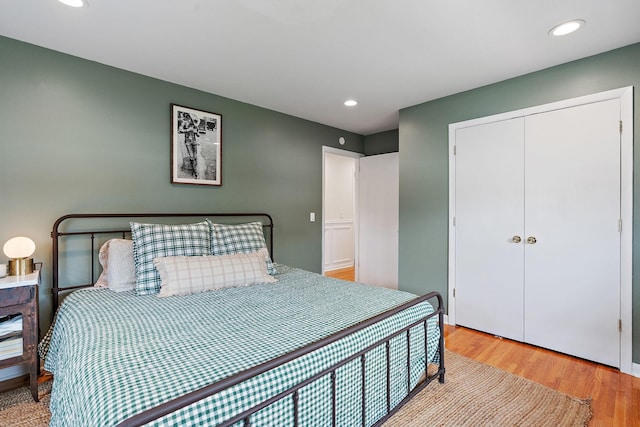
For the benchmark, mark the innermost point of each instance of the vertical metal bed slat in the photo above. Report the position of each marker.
(426, 360)
(364, 385)
(409, 360)
(334, 404)
(442, 369)
(296, 414)
(388, 351)
(93, 258)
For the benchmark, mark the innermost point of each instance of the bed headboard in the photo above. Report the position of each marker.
(93, 229)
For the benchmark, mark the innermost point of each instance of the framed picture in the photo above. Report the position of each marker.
(196, 146)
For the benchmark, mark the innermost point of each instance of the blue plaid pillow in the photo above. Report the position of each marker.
(227, 239)
(158, 240)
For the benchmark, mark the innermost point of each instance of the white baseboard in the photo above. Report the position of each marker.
(338, 265)
(635, 367)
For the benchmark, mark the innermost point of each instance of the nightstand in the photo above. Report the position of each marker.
(19, 296)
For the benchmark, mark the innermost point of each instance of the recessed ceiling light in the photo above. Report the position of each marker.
(566, 27)
(350, 102)
(74, 3)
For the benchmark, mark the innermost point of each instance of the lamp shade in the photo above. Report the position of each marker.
(19, 247)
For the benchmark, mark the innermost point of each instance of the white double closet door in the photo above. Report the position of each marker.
(537, 206)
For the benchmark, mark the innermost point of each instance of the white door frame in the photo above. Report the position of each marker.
(625, 95)
(345, 153)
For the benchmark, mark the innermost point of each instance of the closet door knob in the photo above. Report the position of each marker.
(531, 240)
(517, 239)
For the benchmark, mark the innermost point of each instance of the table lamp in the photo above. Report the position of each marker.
(19, 251)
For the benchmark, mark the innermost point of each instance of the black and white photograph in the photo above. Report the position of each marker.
(196, 146)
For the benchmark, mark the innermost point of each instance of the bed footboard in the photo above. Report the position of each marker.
(292, 393)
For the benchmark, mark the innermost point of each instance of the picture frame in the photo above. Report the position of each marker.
(196, 146)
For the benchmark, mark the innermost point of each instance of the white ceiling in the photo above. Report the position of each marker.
(306, 57)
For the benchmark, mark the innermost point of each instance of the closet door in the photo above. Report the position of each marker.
(572, 274)
(489, 200)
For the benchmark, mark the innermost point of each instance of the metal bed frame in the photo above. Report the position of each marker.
(292, 393)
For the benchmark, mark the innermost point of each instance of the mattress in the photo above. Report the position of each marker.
(114, 355)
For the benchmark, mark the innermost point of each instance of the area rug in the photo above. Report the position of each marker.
(474, 394)
(18, 409)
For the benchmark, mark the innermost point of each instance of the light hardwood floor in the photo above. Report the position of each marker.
(348, 273)
(615, 396)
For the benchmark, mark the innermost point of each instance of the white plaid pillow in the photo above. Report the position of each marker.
(184, 275)
(159, 240)
(229, 239)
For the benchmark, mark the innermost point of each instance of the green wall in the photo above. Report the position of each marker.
(79, 137)
(382, 143)
(424, 158)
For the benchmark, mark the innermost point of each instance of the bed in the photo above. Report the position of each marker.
(303, 350)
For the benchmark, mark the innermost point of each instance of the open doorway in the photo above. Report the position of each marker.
(340, 212)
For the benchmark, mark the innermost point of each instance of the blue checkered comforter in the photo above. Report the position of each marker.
(116, 354)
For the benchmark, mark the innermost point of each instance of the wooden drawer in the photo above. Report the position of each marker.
(16, 296)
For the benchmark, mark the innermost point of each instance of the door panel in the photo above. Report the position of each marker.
(572, 208)
(379, 195)
(489, 212)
